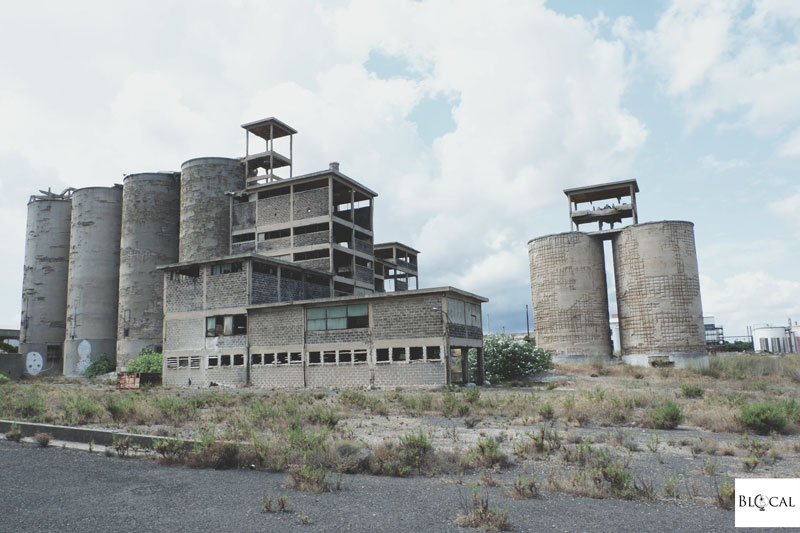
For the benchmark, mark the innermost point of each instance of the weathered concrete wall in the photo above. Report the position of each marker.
(413, 374)
(205, 209)
(274, 210)
(149, 237)
(44, 284)
(570, 299)
(658, 293)
(93, 286)
(309, 204)
(227, 290)
(399, 318)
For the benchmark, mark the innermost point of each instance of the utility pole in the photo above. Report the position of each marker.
(527, 323)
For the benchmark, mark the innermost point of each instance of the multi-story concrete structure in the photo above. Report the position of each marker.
(660, 319)
(247, 277)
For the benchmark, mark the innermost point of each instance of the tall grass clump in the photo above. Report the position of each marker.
(763, 417)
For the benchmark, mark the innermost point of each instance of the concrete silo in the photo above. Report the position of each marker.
(570, 300)
(44, 284)
(93, 285)
(149, 238)
(658, 294)
(205, 212)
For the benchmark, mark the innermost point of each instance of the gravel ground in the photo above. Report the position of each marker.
(54, 489)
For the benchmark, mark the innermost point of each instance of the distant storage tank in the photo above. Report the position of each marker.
(773, 339)
(44, 285)
(658, 294)
(93, 285)
(149, 238)
(570, 298)
(205, 209)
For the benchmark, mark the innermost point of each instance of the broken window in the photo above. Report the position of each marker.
(329, 357)
(314, 358)
(238, 359)
(345, 356)
(185, 274)
(382, 355)
(269, 358)
(416, 353)
(398, 354)
(213, 361)
(172, 362)
(433, 353)
(225, 360)
(359, 356)
(226, 268)
(282, 358)
(183, 362)
(295, 358)
(226, 325)
(255, 359)
(194, 362)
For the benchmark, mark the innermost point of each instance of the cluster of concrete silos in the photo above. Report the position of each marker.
(90, 287)
(657, 287)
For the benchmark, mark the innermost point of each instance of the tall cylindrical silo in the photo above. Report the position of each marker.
(44, 285)
(658, 294)
(93, 286)
(570, 299)
(205, 209)
(149, 238)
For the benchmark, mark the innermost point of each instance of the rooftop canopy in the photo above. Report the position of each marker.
(262, 128)
(603, 191)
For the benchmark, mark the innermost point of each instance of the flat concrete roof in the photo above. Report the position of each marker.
(373, 296)
(245, 255)
(261, 128)
(396, 245)
(310, 177)
(602, 191)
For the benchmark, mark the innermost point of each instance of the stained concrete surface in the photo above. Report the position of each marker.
(54, 489)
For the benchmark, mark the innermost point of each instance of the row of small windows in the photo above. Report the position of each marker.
(226, 268)
(327, 357)
(338, 317)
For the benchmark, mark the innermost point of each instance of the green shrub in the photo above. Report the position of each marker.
(4, 378)
(689, 390)
(667, 416)
(505, 358)
(101, 365)
(763, 417)
(417, 449)
(148, 362)
(472, 394)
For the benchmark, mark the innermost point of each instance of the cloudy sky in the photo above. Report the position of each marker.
(468, 118)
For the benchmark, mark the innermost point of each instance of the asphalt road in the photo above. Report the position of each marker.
(54, 489)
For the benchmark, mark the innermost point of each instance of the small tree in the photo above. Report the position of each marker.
(506, 358)
(148, 362)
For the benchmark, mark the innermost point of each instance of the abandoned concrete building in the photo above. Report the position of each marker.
(657, 283)
(240, 276)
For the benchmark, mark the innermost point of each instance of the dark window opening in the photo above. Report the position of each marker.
(311, 228)
(194, 362)
(382, 355)
(244, 237)
(276, 234)
(295, 357)
(213, 361)
(53, 353)
(183, 362)
(264, 268)
(398, 354)
(329, 358)
(345, 356)
(226, 325)
(269, 358)
(272, 193)
(415, 353)
(226, 268)
(319, 184)
(313, 254)
(283, 358)
(360, 261)
(238, 359)
(360, 356)
(314, 358)
(225, 360)
(288, 273)
(184, 274)
(434, 353)
(317, 280)
(255, 359)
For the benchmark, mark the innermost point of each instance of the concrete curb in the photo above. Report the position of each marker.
(74, 434)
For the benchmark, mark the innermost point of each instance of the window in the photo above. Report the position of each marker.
(295, 358)
(382, 355)
(225, 360)
(238, 359)
(345, 356)
(276, 234)
(339, 317)
(359, 356)
(314, 358)
(53, 353)
(213, 361)
(314, 254)
(398, 355)
(264, 268)
(183, 362)
(415, 353)
(185, 274)
(226, 325)
(172, 363)
(269, 358)
(329, 357)
(194, 362)
(244, 237)
(255, 359)
(283, 358)
(433, 353)
(226, 268)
